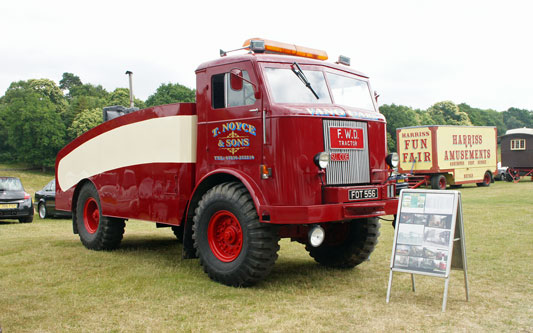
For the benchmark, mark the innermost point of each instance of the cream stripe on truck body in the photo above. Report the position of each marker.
(157, 140)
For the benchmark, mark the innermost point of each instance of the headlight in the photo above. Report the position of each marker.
(392, 160)
(322, 160)
(316, 236)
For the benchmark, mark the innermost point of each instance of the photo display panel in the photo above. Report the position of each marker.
(424, 232)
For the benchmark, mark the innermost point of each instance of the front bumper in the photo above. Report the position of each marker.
(333, 209)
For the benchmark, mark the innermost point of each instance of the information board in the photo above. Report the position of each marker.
(424, 238)
(428, 230)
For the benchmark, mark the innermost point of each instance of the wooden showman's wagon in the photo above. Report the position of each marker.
(517, 153)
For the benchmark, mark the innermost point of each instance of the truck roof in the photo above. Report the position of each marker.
(275, 58)
(522, 130)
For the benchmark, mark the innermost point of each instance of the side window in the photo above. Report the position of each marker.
(224, 96)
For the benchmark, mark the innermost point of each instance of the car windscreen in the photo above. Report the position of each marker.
(286, 87)
(10, 184)
(350, 91)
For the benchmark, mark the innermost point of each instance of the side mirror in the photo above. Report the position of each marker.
(235, 79)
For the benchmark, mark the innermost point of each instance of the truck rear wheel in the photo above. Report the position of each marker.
(233, 246)
(97, 232)
(354, 246)
(486, 180)
(438, 182)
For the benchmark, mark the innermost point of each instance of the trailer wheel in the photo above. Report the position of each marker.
(97, 232)
(486, 180)
(438, 182)
(352, 249)
(233, 246)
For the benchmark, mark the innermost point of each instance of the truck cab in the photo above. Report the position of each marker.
(271, 129)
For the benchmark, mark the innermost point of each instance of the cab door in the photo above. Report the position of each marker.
(234, 120)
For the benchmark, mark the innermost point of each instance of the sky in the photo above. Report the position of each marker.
(417, 53)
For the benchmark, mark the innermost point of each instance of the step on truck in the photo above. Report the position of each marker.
(442, 155)
(279, 144)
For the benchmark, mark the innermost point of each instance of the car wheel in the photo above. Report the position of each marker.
(42, 210)
(97, 232)
(233, 246)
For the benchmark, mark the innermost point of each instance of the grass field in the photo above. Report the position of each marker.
(49, 282)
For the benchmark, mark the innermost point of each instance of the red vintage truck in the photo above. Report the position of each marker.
(279, 144)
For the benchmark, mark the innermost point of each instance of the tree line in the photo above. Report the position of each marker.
(448, 113)
(39, 117)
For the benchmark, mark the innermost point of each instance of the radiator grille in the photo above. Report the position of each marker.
(356, 169)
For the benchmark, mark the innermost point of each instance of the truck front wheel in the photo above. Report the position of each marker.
(233, 246)
(347, 248)
(97, 232)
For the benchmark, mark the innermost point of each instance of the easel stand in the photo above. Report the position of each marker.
(456, 243)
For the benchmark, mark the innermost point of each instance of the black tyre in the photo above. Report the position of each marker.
(97, 232)
(26, 219)
(178, 232)
(42, 210)
(438, 182)
(233, 246)
(487, 178)
(347, 245)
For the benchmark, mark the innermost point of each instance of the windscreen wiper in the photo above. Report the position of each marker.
(300, 74)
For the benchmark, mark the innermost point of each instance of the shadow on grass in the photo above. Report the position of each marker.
(9, 222)
(299, 273)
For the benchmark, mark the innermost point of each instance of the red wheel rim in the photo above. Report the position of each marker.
(224, 235)
(486, 179)
(442, 183)
(91, 215)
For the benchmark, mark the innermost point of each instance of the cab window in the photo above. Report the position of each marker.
(223, 96)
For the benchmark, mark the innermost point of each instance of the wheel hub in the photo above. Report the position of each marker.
(91, 216)
(225, 236)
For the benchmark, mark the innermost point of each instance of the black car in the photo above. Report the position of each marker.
(401, 181)
(15, 203)
(45, 200)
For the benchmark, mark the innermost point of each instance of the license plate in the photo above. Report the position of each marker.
(369, 193)
(400, 181)
(8, 206)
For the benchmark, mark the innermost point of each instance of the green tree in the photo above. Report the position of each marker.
(171, 93)
(516, 118)
(397, 116)
(121, 96)
(84, 121)
(84, 97)
(69, 81)
(447, 113)
(35, 132)
(480, 117)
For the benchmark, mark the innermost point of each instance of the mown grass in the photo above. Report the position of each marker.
(49, 282)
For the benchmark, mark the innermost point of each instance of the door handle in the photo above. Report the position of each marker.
(254, 110)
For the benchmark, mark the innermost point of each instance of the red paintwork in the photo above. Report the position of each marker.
(294, 194)
(91, 216)
(224, 235)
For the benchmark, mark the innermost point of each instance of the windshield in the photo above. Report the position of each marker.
(287, 87)
(10, 184)
(350, 91)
